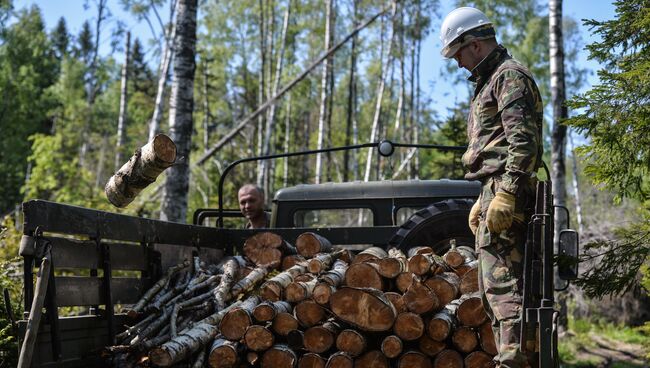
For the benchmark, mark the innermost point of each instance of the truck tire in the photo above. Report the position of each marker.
(436, 226)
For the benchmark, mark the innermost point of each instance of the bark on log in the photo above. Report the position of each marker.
(420, 299)
(397, 300)
(322, 293)
(267, 311)
(291, 260)
(464, 339)
(470, 310)
(442, 324)
(408, 326)
(248, 282)
(279, 356)
(427, 263)
(458, 256)
(322, 261)
(414, 358)
(234, 324)
(171, 271)
(371, 359)
(404, 280)
(392, 346)
(367, 309)
(189, 341)
(446, 286)
(312, 360)
(448, 359)
(224, 354)
(479, 359)
(430, 346)
(305, 277)
(418, 250)
(486, 338)
(370, 253)
(141, 170)
(273, 288)
(351, 342)
(259, 338)
(309, 244)
(298, 291)
(221, 294)
(336, 275)
(309, 313)
(319, 339)
(392, 265)
(469, 280)
(266, 249)
(283, 323)
(340, 359)
(364, 275)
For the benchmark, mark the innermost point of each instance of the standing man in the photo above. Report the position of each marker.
(251, 205)
(504, 130)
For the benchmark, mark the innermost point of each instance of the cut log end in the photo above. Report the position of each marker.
(351, 341)
(409, 326)
(372, 359)
(414, 359)
(279, 356)
(392, 346)
(367, 309)
(312, 360)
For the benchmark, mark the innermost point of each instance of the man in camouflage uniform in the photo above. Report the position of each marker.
(504, 129)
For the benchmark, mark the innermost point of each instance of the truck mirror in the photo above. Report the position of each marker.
(567, 257)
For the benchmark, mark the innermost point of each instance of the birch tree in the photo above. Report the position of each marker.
(324, 91)
(121, 122)
(175, 191)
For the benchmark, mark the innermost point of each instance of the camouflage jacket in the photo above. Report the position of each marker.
(504, 126)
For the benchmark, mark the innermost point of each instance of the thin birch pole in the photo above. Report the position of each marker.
(121, 121)
(324, 92)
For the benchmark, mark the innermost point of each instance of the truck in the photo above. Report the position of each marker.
(100, 261)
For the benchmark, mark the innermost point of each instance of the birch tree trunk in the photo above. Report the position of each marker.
(287, 142)
(261, 86)
(121, 122)
(351, 108)
(206, 107)
(324, 91)
(175, 191)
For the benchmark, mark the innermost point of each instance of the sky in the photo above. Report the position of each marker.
(442, 92)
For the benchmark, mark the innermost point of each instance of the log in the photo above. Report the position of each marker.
(442, 324)
(224, 354)
(469, 280)
(404, 280)
(418, 250)
(465, 267)
(296, 340)
(298, 291)
(414, 358)
(364, 275)
(141, 170)
(470, 310)
(248, 282)
(408, 326)
(283, 323)
(312, 360)
(279, 356)
(446, 286)
(370, 253)
(371, 359)
(291, 260)
(479, 359)
(309, 313)
(430, 346)
(267, 311)
(420, 299)
(392, 346)
(259, 338)
(448, 359)
(427, 263)
(486, 338)
(340, 359)
(252, 358)
(322, 293)
(234, 324)
(190, 340)
(392, 265)
(309, 244)
(397, 301)
(305, 277)
(322, 261)
(351, 342)
(336, 275)
(457, 256)
(266, 249)
(464, 339)
(368, 309)
(319, 339)
(273, 288)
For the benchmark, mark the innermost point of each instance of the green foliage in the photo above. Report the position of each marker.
(10, 280)
(614, 116)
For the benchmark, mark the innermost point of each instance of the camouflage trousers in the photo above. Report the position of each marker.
(501, 258)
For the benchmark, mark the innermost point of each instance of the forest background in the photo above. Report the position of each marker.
(75, 107)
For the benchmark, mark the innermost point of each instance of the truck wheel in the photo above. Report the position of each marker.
(436, 226)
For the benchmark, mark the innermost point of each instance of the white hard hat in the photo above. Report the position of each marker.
(458, 23)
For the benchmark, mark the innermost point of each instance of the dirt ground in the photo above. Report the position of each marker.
(610, 353)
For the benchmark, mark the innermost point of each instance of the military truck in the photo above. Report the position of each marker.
(115, 258)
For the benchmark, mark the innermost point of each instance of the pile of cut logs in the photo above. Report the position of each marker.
(313, 305)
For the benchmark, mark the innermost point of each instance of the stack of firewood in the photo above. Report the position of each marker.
(325, 308)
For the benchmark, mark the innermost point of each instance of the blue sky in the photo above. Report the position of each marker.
(442, 92)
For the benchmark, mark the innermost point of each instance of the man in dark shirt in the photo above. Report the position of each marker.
(251, 204)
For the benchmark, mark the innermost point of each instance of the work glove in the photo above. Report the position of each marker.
(473, 216)
(500, 212)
